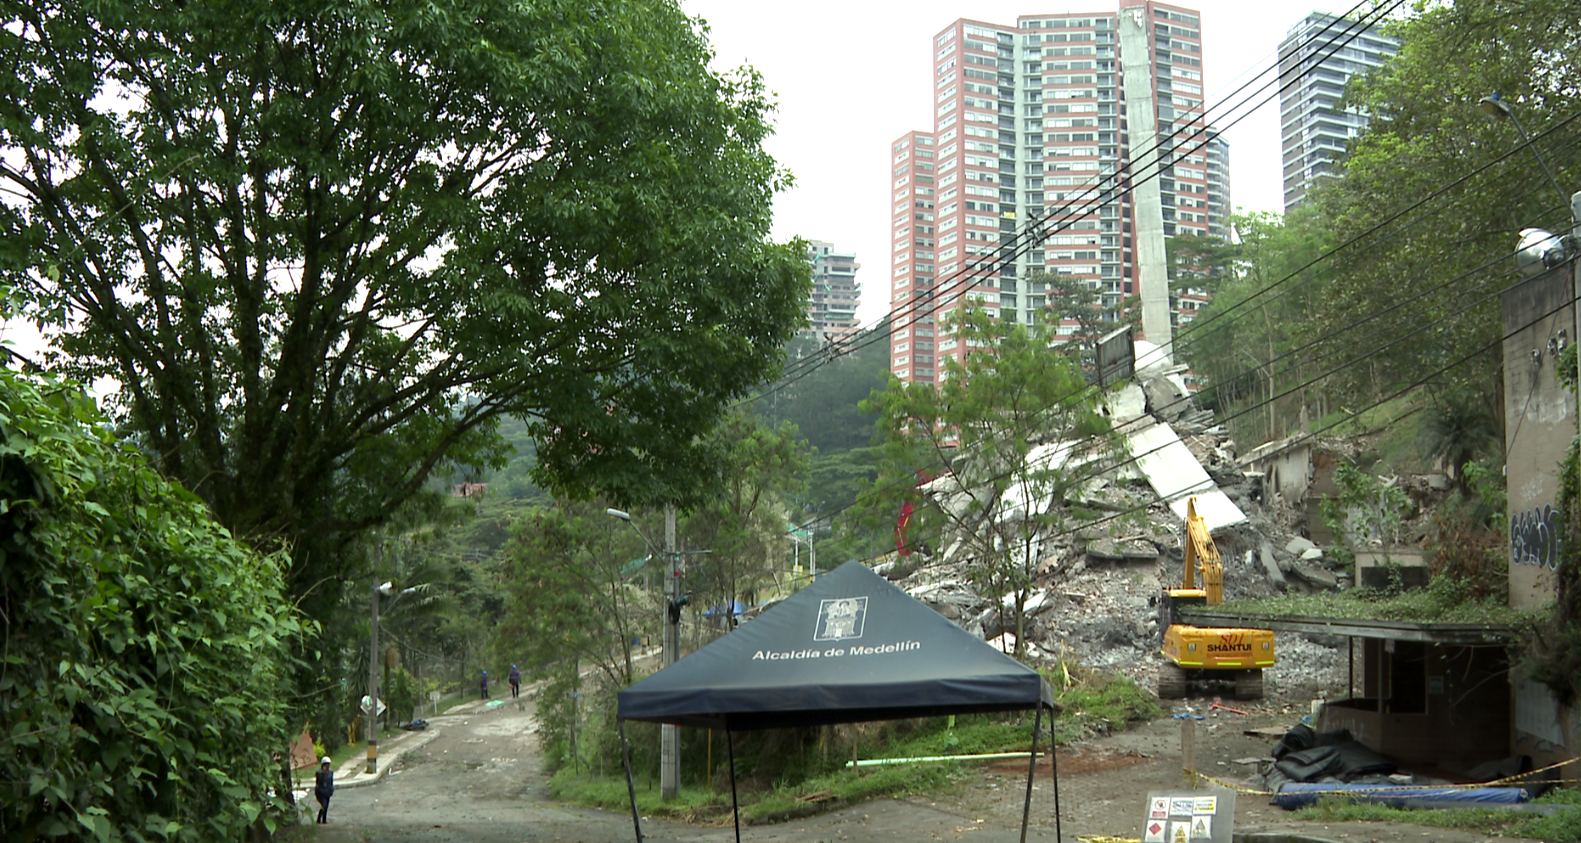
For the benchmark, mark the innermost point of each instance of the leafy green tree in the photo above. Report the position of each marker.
(145, 649)
(1429, 143)
(1068, 299)
(324, 247)
(1245, 340)
(1197, 262)
(1014, 392)
(573, 604)
(743, 523)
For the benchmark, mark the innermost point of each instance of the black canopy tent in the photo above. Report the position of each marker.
(849, 647)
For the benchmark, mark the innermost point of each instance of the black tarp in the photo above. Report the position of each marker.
(849, 647)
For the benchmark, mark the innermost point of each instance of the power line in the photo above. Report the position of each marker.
(1404, 390)
(1095, 196)
(1358, 323)
(1273, 398)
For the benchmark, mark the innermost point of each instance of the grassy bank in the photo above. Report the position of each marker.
(1560, 828)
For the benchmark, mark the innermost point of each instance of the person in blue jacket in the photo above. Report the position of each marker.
(483, 685)
(323, 788)
(515, 678)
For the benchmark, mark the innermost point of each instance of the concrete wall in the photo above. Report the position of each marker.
(1539, 422)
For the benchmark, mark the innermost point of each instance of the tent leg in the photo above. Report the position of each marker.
(735, 808)
(1054, 773)
(1032, 768)
(625, 757)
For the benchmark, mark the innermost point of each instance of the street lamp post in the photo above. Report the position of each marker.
(386, 589)
(1539, 250)
(669, 745)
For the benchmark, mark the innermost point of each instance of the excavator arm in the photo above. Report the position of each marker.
(1202, 555)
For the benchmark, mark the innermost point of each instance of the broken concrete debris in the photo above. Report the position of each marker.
(1095, 589)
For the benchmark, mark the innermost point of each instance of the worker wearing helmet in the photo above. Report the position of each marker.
(323, 788)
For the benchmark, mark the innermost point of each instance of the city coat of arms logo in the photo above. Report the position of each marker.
(840, 619)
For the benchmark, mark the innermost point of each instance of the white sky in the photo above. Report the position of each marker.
(852, 76)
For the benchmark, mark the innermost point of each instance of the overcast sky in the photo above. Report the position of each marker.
(851, 76)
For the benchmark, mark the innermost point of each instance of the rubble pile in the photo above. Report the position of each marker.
(1098, 588)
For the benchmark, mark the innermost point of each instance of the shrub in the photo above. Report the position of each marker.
(144, 648)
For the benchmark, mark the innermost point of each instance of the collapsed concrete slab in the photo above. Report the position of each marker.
(1176, 475)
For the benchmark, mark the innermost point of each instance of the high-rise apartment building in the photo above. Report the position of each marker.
(1316, 58)
(1029, 134)
(831, 310)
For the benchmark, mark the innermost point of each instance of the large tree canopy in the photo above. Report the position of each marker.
(1434, 192)
(323, 245)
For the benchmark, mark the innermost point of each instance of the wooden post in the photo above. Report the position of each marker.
(1188, 751)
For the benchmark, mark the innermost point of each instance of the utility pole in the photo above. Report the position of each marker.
(670, 640)
(373, 684)
(669, 740)
(812, 551)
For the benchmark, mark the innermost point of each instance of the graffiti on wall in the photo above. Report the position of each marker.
(1534, 537)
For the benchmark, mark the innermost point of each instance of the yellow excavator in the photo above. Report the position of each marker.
(1208, 653)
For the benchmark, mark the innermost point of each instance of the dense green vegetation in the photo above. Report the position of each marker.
(346, 260)
(325, 250)
(146, 656)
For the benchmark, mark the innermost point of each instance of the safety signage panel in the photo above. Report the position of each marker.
(1189, 816)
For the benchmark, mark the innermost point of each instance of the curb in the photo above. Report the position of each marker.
(384, 766)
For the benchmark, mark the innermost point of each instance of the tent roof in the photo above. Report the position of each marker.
(849, 647)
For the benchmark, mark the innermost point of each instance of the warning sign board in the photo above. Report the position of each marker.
(1189, 816)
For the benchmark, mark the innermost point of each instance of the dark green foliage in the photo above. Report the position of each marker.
(1467, 538)
(1460, 427)
(1555, 654)
(1247, 341)
(325, 247)
(143, 680)
(823, 386)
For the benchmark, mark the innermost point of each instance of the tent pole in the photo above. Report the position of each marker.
(625, 757)
(1032, 768)
(1054, 771)
(735, 808)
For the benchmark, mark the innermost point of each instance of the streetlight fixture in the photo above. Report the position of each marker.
(385, 589)
(1538, 250)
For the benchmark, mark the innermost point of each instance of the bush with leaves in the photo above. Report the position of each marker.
(1364, 511)
(144, 649)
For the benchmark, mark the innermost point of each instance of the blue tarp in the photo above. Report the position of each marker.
(737, 609)
(1301, 794)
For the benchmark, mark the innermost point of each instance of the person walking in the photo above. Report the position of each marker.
(323, 788)
(484, 685)
(515, 678)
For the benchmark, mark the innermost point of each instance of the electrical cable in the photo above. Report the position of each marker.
(1358, 323)
(1273, 398)
(1404, 390)
(1097, 194)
